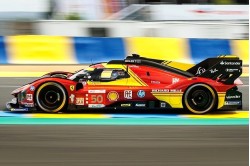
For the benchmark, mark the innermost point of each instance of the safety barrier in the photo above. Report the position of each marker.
(31, 49)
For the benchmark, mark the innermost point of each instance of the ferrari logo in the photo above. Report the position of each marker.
(72, 87)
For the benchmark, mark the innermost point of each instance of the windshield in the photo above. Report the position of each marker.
(83, 71)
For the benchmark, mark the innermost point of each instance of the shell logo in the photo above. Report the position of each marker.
(113, 96)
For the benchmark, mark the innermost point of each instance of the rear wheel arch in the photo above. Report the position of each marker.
(204, 89)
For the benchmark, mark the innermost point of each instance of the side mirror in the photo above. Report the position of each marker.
(79, 86)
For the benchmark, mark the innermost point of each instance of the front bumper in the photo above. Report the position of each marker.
(14, 106)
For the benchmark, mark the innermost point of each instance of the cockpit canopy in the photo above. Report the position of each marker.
(100, 74)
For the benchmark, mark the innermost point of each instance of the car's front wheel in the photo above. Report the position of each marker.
(200, 99)
(51, 97)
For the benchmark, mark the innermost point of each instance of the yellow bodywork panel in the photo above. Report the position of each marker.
(178, 65)
(173, 99)
(221, 99)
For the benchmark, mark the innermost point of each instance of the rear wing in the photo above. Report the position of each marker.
(224, 69)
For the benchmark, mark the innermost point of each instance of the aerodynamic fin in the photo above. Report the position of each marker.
(225, 69)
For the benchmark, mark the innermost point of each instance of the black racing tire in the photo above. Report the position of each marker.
(51, 97)
(200, 99)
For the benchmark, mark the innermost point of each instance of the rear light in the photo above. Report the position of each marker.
(238, 82)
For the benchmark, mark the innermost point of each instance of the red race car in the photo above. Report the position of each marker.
(136, 82)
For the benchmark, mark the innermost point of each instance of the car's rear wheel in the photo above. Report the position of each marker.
(51, 97)
(200, 99)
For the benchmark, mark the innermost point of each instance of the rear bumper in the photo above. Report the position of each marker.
(233, 99)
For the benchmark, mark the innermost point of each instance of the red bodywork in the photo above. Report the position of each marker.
(143, 84)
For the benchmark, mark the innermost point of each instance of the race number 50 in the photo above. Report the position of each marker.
(96, 99)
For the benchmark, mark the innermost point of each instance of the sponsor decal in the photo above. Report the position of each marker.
(72, 98)
(19, 109)
(128, 94)
(165, 90)
(113, 96)
(163, 105)
(141, 93)
(175, 90)
(28, 104)
(29, 97)
(175, 80)
(233, 97)
(32, 88)
(133, 60)
(232, 103)
(213, 70)
(72, 87)
(140, 105)
(126, 105)
(229, 63)
(96, 91)
(200, 70)
(155, 82)
(79, 101)
(96, 105)
(160, 90)
(133, 66)
(231, 70)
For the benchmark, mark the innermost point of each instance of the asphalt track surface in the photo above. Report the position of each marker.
(124, 145)
(29, 145)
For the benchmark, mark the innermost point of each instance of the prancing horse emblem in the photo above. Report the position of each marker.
(72, 87)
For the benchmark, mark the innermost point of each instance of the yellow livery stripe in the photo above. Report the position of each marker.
(138, 79)
(174, 100)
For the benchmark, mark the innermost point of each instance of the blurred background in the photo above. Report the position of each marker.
(227, 19)
(80, 31)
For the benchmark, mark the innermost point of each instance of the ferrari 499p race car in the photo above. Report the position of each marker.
(136, 82)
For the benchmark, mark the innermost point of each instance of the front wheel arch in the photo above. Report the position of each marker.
(60, 86)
